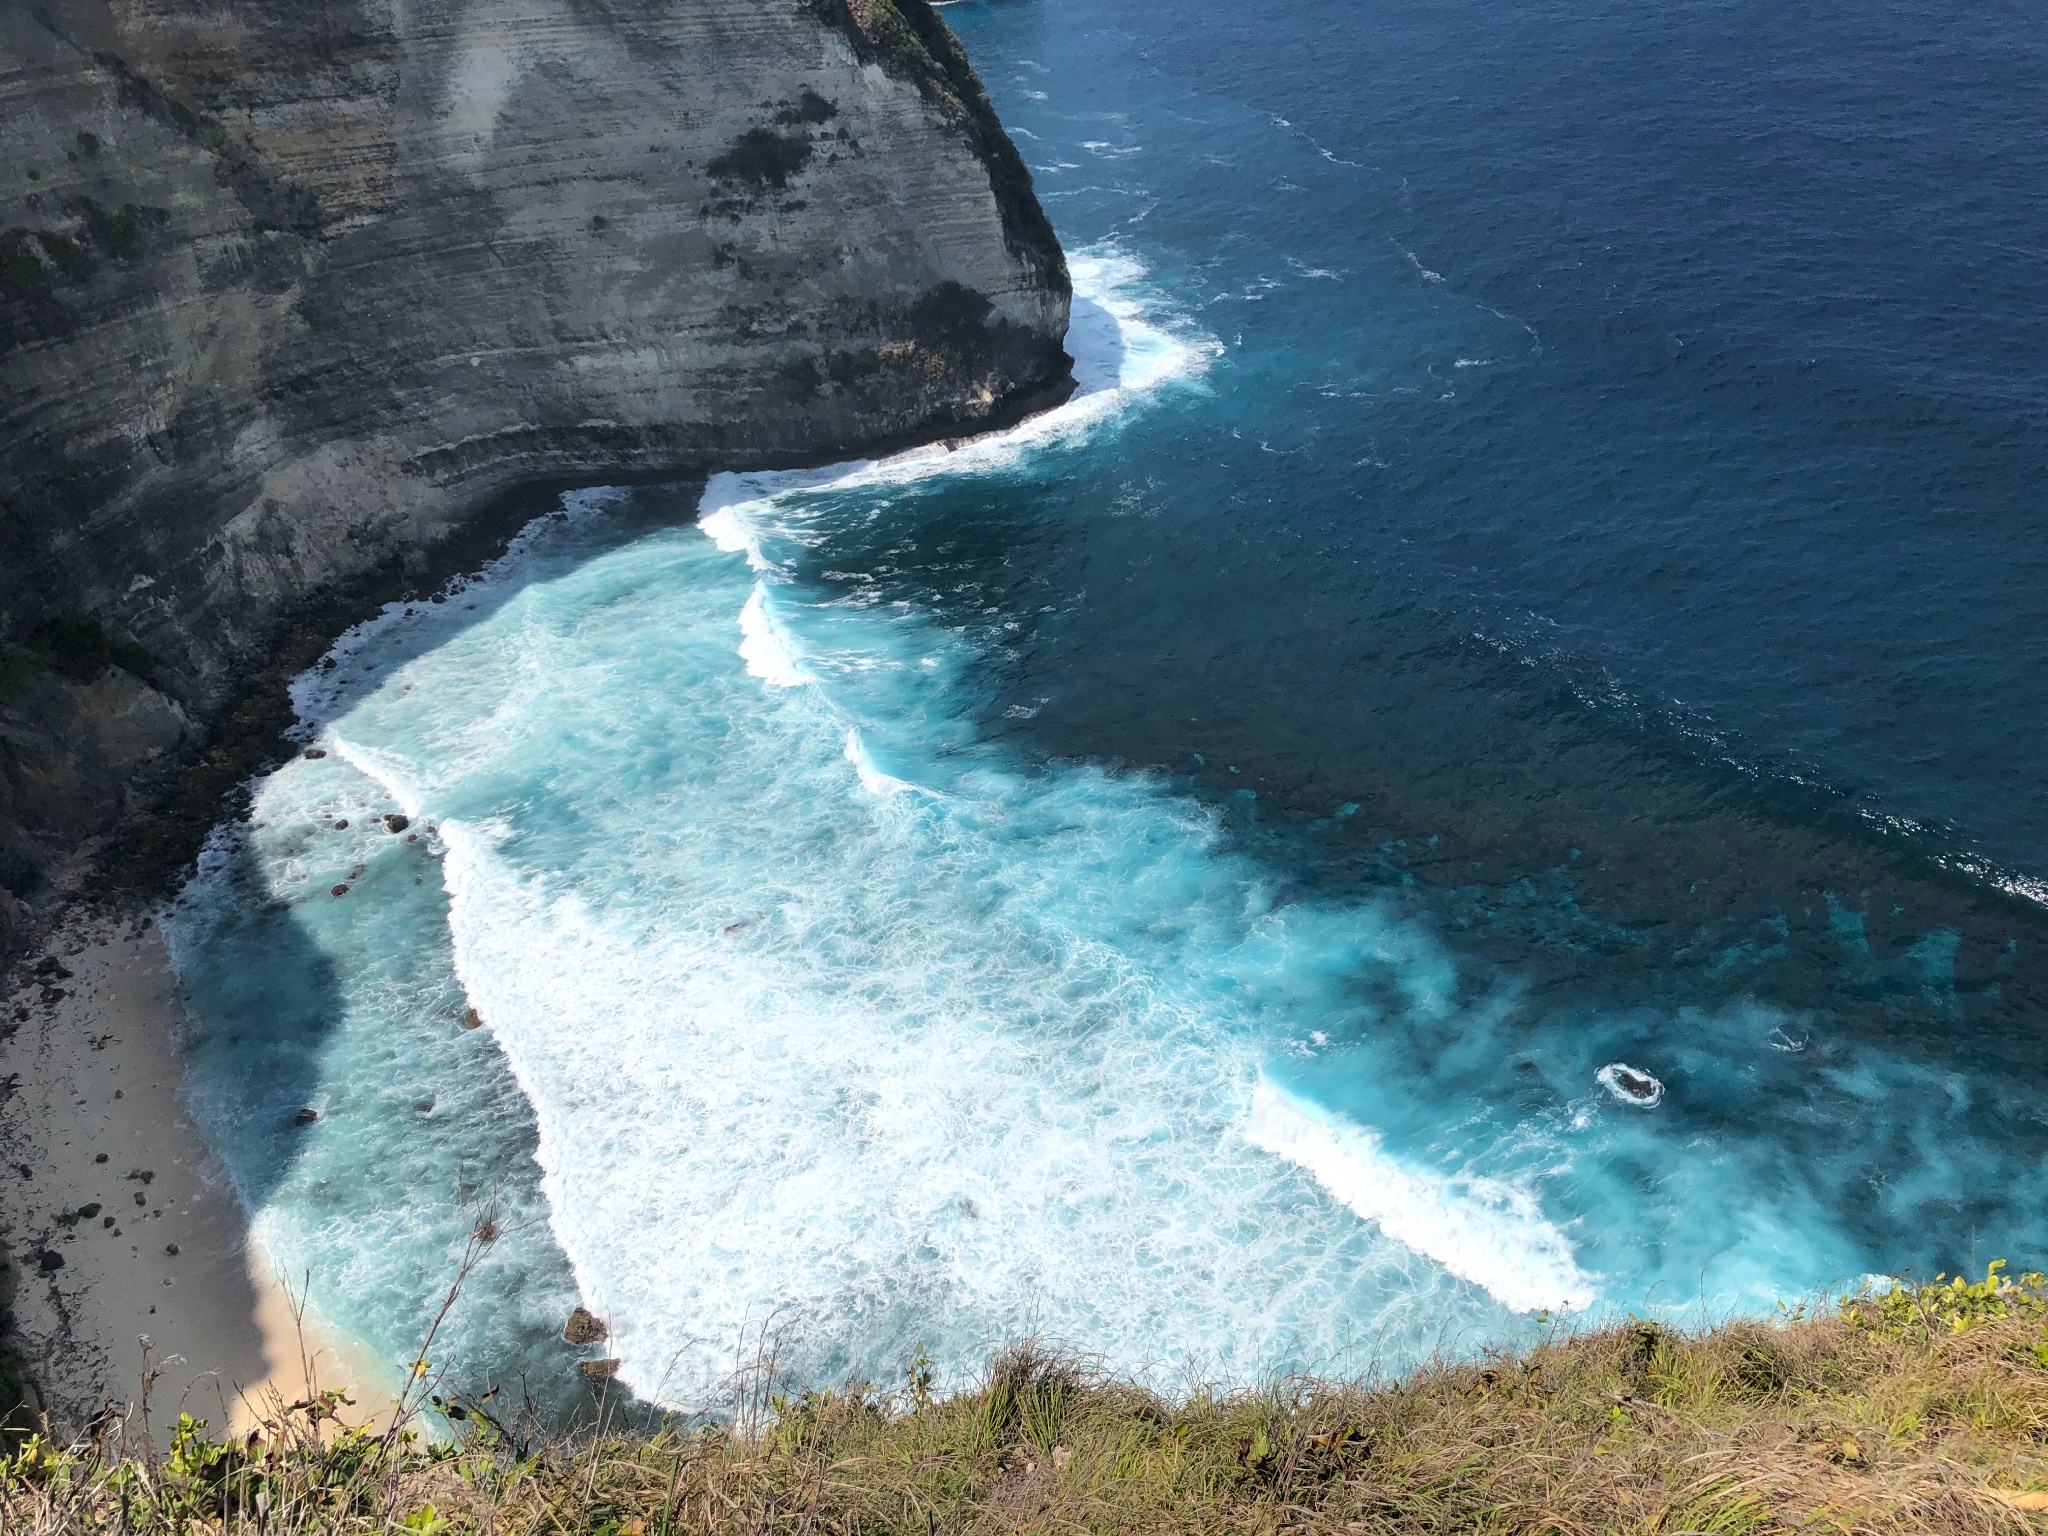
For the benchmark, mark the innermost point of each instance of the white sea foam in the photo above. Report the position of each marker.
(827, 1014)
(1487, 1231)
(763, 648)
(1120, 353)
(907, 1076)
(892, 1065)
(324, 688)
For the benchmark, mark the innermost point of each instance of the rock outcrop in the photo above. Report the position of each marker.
(292, 290)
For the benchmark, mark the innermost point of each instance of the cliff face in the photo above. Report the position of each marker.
(291, 289)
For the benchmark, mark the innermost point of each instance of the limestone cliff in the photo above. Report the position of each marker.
(290, 290)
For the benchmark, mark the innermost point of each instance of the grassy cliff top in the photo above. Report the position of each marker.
(1924, 1410)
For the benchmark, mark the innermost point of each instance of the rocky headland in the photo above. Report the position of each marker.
(297, 298)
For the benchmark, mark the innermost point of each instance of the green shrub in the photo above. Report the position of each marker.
(1949, 1306)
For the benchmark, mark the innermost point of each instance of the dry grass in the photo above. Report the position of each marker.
(1924, 1412)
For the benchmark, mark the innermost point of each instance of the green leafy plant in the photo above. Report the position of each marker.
(1948, 1305)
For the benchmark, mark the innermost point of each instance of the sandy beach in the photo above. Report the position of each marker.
(129, 1248)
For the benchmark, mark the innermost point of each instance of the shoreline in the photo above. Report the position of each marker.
(98, 1066)
(119, 1223)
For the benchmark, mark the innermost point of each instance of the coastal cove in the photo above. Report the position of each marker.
(1481, 773)
(747, 1063)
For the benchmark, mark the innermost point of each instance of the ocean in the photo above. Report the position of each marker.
(1488, 768)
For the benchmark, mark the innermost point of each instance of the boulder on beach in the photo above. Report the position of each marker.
(585, 1327)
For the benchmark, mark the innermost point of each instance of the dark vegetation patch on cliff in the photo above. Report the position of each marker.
(37, 264)
(272, 202)
(119, 232)
(75, 646)
(809, 107)
(1923, 1412)
(762, 158)
(951, 322)
(908, 38)
(947, 361)
(30, 258)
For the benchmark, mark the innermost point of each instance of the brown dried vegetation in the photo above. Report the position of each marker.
(1925, 1411)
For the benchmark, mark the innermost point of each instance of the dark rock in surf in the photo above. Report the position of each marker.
(339, 890)
(396, 822)
(1631, 1085)
(585, 1327)
(471, 1019)
(600, 1370)
(306, 1116)
(316, 752)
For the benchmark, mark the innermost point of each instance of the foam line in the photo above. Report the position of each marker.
(1489, 1232)
(764, 648)
(872, 779)
(324, 689)
(1119, 353)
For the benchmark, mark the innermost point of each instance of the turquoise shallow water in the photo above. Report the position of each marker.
(1175, 878)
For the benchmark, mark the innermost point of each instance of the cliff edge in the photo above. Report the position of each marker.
(291, 291)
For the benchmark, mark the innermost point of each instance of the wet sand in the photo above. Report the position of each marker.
(128, 1246)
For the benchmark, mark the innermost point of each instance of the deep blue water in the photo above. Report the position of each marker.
(1564, 584)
